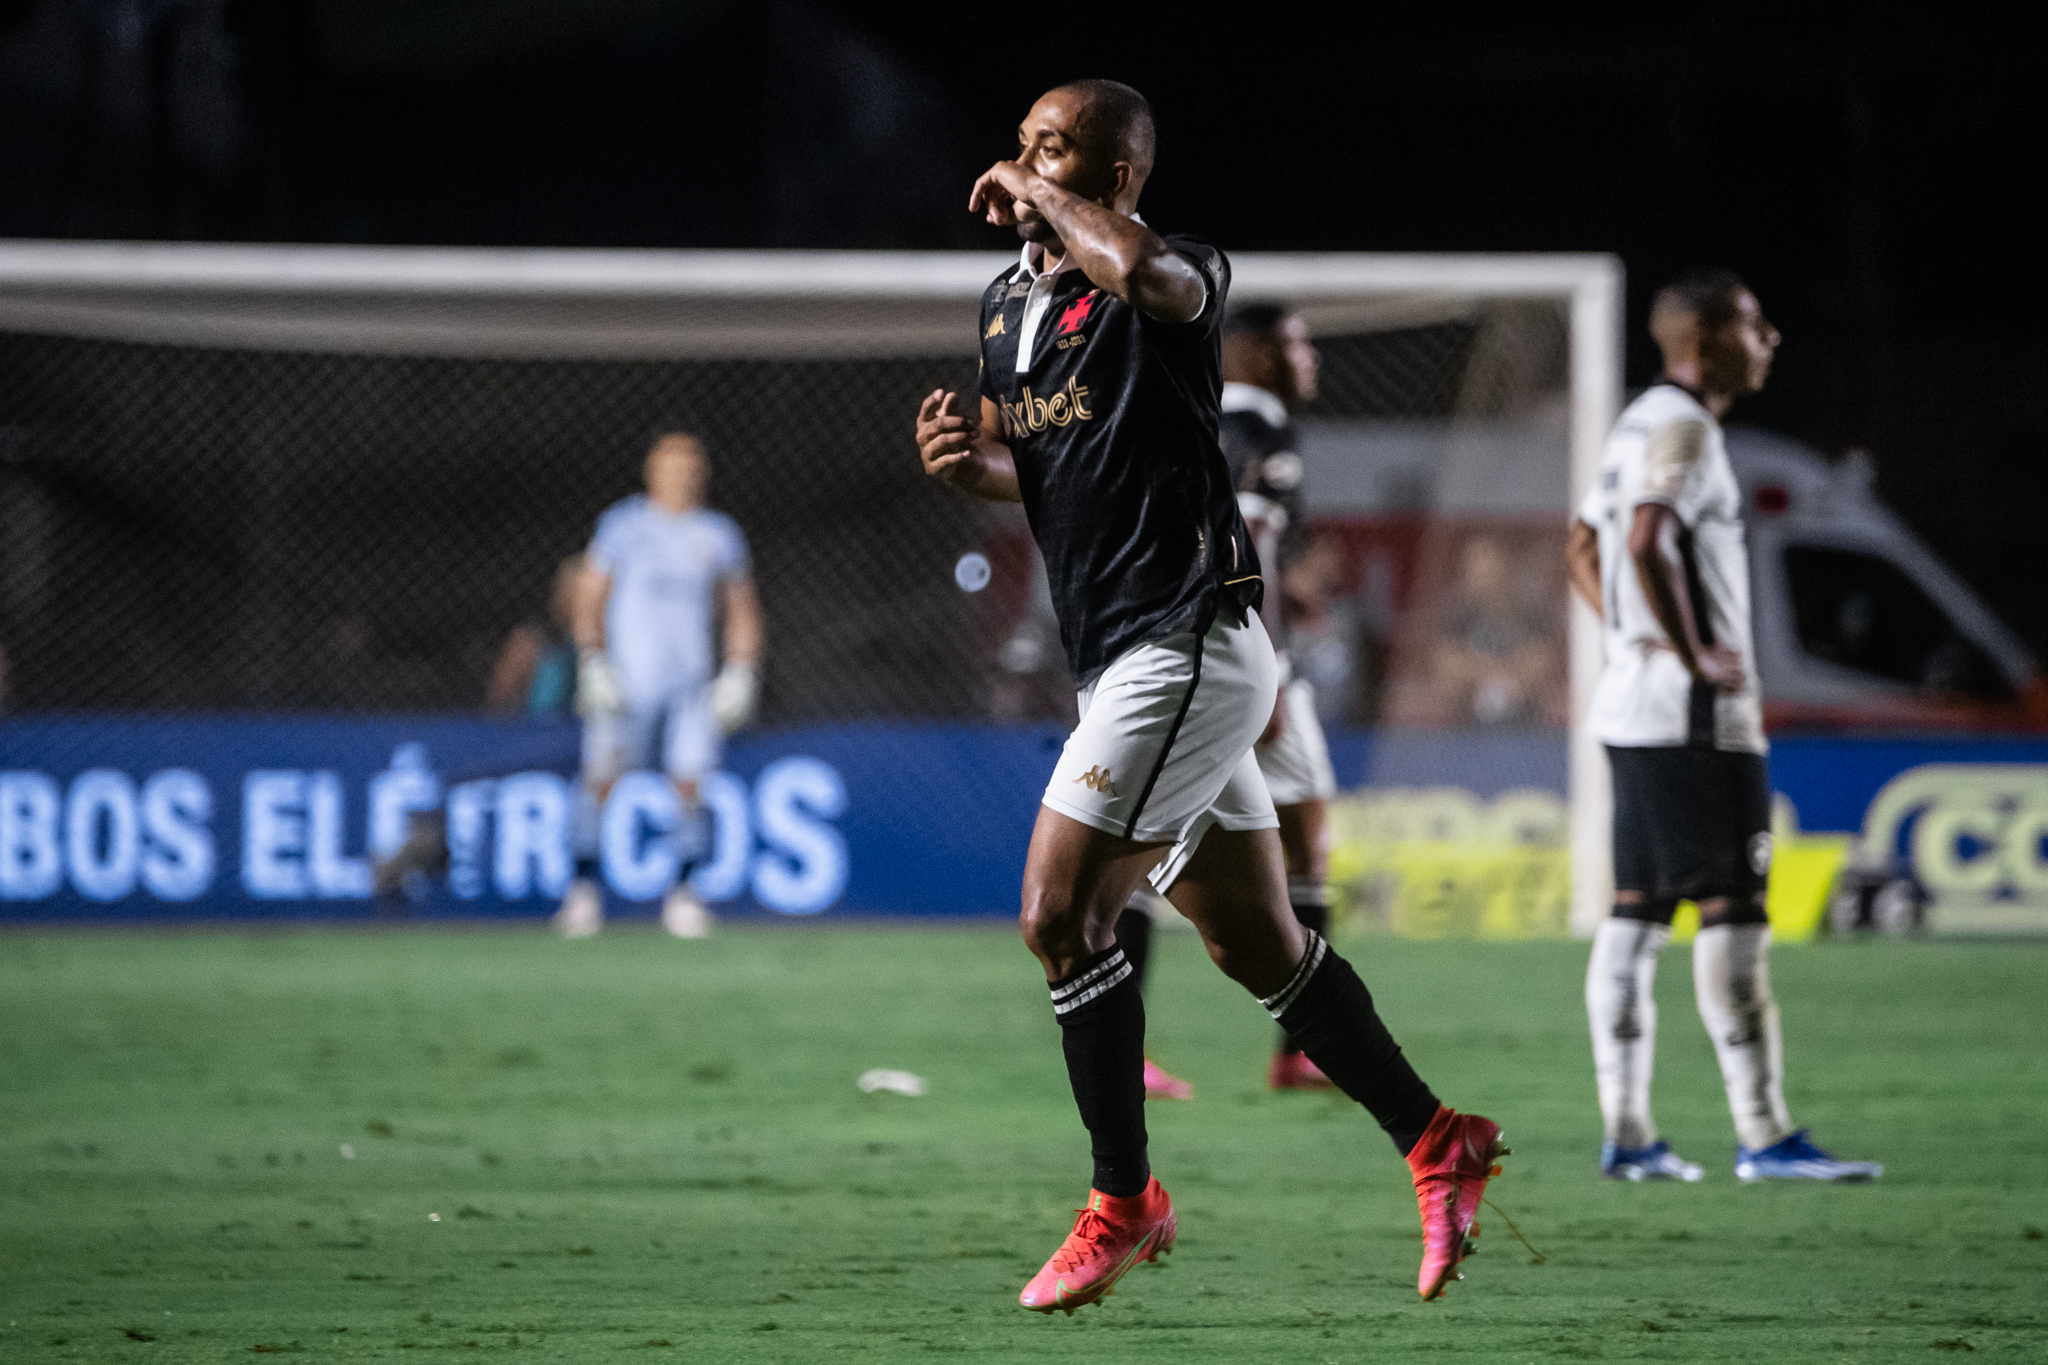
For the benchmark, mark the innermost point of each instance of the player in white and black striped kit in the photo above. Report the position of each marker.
(1099, 411)
(1658, 551)
(1269, 369)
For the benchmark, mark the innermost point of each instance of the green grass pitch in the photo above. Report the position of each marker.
(638, 1148)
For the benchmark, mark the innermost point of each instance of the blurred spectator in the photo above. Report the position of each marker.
(536, 667)
(1494, 663)
(1323, 629)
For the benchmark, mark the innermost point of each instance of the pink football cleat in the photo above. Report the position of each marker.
(1161, 1085)
(1109, 1237)
(1452, 1164)
(1294, 1071)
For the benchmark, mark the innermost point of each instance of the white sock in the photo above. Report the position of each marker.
(1621, 1006)
(1732, 980)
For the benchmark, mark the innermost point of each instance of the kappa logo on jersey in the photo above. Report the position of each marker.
(1029, 414)
(1097, 779)
(1076, 315)
(995, 329)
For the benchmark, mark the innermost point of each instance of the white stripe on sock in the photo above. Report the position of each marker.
(1310, 960)
(1093, 974)
(1062, 1006)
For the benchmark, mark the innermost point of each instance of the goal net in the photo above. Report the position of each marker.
(246, 486)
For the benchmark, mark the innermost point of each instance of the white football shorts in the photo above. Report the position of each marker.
(677, 737)
(1297, 764)
(1163, 752)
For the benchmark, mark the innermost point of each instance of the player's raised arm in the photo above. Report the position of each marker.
(1120, 254)
(963, 450)
(1084, 152)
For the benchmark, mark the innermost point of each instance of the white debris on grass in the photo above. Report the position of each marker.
(348, 1151)
(881, 1078)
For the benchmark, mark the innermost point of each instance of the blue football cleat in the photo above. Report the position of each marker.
(1654, 1162)
(1796, 1158)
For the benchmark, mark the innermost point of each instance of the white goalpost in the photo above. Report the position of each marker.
(792, 316)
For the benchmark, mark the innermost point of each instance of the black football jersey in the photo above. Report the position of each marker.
(1259, 445)
(1112, 418)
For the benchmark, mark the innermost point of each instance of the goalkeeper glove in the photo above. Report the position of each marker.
(598, 693)
(733, 694)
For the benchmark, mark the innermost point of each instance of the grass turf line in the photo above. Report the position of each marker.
(643, 1145)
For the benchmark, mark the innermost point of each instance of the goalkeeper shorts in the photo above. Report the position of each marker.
(677, 736)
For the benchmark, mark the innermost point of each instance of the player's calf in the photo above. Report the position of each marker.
(1290, 1068)
(1327, 1013)
(1102, 1033)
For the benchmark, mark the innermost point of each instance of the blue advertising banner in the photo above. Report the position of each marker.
(123, 818)
(279, 817)
(1833, 781)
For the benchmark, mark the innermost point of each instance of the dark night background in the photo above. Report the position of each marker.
(1868, 173)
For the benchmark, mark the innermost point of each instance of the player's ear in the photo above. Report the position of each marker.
(1120, 182)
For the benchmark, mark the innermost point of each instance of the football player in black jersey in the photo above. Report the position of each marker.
(1100, 392)
(1270, 367)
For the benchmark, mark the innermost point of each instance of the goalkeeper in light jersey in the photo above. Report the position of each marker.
(661, 571)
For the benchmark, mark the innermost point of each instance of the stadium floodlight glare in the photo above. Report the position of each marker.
(804, 306)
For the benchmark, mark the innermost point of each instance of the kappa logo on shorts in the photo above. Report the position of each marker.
(1098, 779)
(1760, 853)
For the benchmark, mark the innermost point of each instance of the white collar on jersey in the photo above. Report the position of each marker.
(1251, 398)
(1067, 262)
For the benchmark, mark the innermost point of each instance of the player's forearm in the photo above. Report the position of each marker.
(1582, 563)
(745, 633)
(586, 617)
(1664, 590)
(1122, 255)
(989, 473)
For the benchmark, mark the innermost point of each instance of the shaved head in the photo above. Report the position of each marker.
(1114, 123)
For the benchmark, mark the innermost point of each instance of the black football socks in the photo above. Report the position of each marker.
(1327, 1012)
(1102, 1032)
(1134, 936)
(1312, 908)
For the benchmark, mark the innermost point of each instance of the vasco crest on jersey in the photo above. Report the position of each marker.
(1073, 318)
